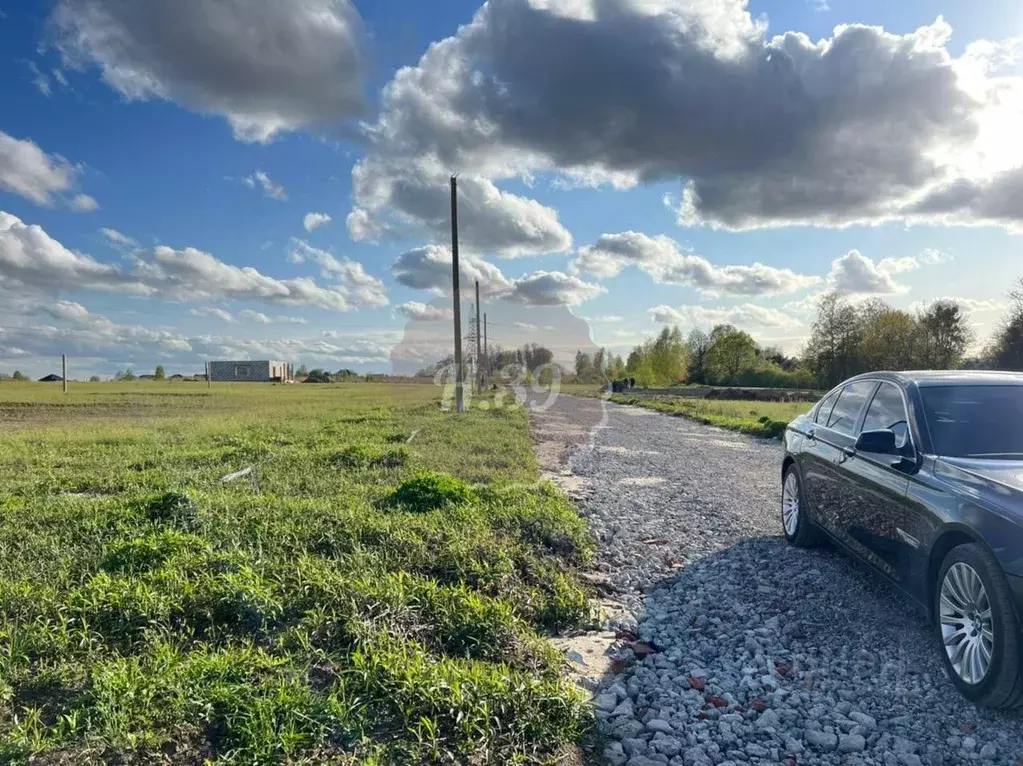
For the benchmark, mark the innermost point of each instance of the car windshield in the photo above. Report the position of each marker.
(975, 421)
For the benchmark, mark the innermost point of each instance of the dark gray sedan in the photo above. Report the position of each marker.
(920, 475)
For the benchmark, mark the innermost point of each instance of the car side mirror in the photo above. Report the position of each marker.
(880, 442)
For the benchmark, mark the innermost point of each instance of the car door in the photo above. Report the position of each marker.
(880, 520)
(823, 479)
(814, 455)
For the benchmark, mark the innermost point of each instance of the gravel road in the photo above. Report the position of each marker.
(765, 653)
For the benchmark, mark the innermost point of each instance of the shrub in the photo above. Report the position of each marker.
(395, 457)
(353, 456)
(173, 508)
(430, 492)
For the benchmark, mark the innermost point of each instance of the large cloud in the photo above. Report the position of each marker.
(366, 289)
(266, 66)
(410, 196)
(863, 126)
(552, 288)
(27, 170)
(747, 315)
(662, 258)
(429, 268)
(30, 257)
(422, 312)
(32, 260)
(856, 274)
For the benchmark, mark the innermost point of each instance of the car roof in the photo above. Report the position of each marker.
(924, 378)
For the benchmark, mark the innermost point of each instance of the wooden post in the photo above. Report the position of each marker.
(459, 376)
(486, 353)
(209, 382)
(63, 371)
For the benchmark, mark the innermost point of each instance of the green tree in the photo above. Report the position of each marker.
(18, 375)
(317, 376)
(583, 365)
(832, 351)
(1006, 350)
(669, 358)
(617, 371)
(699, 344)
(301, 372)
(889, 340)
(730, 356)
(160, 374)
(721, 330)
(946, 334)
(94, 379)
(128, 374)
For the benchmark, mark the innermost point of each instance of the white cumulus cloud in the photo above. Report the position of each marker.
(28, 171)
(422, 312)
(315, 220)
(662, 258)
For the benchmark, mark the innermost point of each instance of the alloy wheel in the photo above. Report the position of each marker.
(790, 503)
(966, 624)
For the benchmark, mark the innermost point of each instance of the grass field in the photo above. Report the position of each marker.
(767, 419)
(363, 600)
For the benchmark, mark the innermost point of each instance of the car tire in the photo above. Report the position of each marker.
(800, 529)
(1001, 685)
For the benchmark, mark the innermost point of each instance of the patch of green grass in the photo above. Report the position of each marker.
(765, 419)
(431, 492)
(356, 599)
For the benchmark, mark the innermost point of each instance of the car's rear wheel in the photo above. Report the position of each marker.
(978, 629)
(798, 527)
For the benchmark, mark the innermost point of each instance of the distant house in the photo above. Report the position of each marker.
(51, 378)
(260, 371)
(176, 376)
(147, 377)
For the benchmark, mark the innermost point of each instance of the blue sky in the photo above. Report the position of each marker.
(577, 145)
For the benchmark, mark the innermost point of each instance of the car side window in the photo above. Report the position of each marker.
(888, 411)
(824, 408)
(849, 405)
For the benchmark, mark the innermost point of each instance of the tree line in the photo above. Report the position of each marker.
(525, 359)
(724, 356)
(846, 339)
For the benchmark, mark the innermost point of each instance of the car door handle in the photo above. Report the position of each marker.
(849, 451)
(812, 434)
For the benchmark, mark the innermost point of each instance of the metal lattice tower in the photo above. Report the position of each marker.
(469, 356)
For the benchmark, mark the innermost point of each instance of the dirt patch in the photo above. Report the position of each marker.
(560, 434)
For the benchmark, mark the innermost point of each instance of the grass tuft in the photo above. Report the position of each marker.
(431, 492)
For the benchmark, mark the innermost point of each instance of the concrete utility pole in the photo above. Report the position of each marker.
(479, 355)
(209, 382)
(486, 353)
(63, 371)
(459, 393)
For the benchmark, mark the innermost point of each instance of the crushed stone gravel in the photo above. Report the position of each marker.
(764, 653)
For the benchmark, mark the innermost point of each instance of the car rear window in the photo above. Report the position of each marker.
(975, 421)
(824, 409)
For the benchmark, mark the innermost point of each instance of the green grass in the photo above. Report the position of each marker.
(766, 419)
(358, 599)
